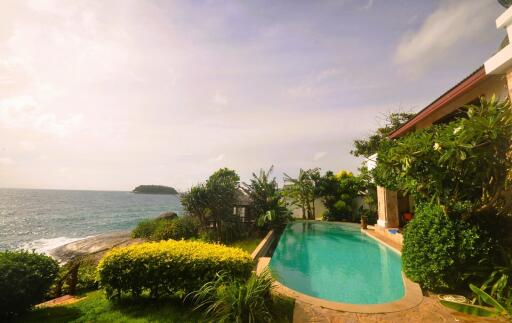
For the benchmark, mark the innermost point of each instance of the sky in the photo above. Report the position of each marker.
(109, 95)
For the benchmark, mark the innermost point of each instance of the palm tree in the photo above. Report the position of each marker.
(301, 191)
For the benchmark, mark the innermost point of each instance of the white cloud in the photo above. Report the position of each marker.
(23, 113)
(319, 155)
(6, 161)
(216, 159)
(368, 5)
(220, 99)
(27, 145)
(449, 25)
(64, 170)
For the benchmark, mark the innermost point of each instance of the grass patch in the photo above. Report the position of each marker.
(283, 308)
(96, 308)
(248, 244)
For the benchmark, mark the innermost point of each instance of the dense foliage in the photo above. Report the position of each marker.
(146, 228)
(233, 300)
(155, 189)
(367, 147)
(440, 252)
(338, 193)
(25, 278)
(458, 174)
(267, 201)
(164, 229)
(169, 267)
(77, 275)
(212, 204)
(462, 165)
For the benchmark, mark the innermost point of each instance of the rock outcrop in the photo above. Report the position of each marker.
(94, 247)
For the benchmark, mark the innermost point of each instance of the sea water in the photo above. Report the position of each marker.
(45, 219)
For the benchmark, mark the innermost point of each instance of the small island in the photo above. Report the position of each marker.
(155, 189)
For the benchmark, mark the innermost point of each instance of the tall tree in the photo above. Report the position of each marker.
(214, 200)
(366, 147)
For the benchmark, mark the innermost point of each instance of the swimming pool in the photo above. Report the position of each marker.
(337, 262)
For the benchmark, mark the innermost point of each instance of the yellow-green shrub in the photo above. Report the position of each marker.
(168, 267)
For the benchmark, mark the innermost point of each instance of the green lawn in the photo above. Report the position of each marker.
(248, 244)
(96, 308)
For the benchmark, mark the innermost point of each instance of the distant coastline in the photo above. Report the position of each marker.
(155, 189)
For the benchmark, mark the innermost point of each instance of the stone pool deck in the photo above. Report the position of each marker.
(428, 311)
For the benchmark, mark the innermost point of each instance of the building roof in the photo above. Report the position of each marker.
(242, 199)
(460, 88)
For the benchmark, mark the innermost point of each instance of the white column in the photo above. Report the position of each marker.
(388, 208)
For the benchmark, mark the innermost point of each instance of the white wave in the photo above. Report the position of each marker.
(46, 245)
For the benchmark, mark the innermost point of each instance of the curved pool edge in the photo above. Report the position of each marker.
(412, 298)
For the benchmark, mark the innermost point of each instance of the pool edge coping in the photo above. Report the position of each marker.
(412, 298)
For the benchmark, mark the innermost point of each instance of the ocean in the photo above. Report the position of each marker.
(45, 219)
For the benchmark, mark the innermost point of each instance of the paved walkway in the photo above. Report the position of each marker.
(428, 311)
(384, 238)
(63, 300)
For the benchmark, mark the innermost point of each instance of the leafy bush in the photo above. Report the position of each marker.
(164, 229)
(179, 228)
(439, 251)
(168, 267)
(145, 228)
(25, 278)
(232, 300)
(338, 193)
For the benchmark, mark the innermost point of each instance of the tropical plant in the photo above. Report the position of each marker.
(25, 279)
(302, 192)
(212, 203)
(496, 308)
(233, 300)
(463, 165)
(275, 219)
(267, 201)
(499, 283)
(263, 191)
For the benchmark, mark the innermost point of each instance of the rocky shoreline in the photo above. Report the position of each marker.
(94, 247)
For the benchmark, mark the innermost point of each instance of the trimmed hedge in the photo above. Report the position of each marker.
(440, 252)
(169, 267)
(25, 278)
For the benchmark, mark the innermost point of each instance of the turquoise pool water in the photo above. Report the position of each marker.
(338, 263)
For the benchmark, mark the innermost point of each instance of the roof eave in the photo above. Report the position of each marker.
(462, 87)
